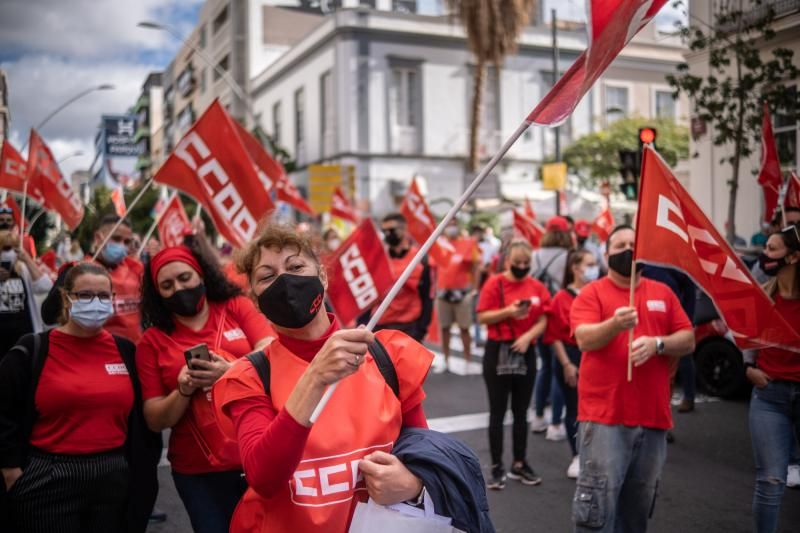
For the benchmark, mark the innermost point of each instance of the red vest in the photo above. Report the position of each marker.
(407, 306)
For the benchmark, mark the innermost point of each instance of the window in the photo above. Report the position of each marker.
(220, 19)
(404, 6)
(405, 109)
(185, 118)
(786, 127)
(277, 120)
(185, 83)
(203, 81)
(299, 126)
(616, 103)
(202, 36)
(222, 66)
(327, 113)
(665, 104)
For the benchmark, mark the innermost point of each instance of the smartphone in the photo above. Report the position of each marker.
(524, 303)
(197, 352)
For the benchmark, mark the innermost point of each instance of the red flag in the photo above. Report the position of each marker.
(672, 231)
(421, 224)
(341, 208)
(118, 199)
(529, 209)
(528, 229)
(613, 24)
(603, 224)
(173, 224)
(359, 273)
(43, 174)
(770, 176)
(13, 171)
(792, 192)
(212, 165)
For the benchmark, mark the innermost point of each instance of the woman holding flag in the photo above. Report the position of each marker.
(775, 404)
(304, 476)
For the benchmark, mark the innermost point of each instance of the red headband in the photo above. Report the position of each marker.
(171, 254)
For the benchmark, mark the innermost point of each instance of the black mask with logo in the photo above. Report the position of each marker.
(771, 266)
(292, 301)
(620, 263)
(186, 302)
(5, 225)
(520, 272)
(391, 237)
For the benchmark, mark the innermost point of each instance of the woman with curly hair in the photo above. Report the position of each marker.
(187, 302)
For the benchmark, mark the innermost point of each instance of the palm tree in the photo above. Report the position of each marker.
(492, 28)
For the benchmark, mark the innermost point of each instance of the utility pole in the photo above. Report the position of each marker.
(556, 130)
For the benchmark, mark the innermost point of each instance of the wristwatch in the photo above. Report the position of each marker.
(659, 345)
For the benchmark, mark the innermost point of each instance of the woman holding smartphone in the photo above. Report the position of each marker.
(194, 314)
(513, 305)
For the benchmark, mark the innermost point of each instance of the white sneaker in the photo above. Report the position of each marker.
(538, 424)
(556, 433)
(793, 476)
(439, 368)
(574, 469)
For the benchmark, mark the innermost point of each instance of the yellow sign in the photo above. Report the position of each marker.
(554, 176)
(323, 180)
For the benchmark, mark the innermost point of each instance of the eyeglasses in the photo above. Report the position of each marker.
(87, 296)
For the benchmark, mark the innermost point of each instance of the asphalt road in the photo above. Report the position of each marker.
(707, 484)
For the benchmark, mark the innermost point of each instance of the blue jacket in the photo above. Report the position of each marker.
(451, 474)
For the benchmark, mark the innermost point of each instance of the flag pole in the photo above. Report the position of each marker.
(22, 215)
(398, 285)
(145, 188)
(630, 331)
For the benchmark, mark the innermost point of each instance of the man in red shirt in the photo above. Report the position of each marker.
(623, 424)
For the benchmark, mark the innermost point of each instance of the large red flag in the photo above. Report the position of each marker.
(612, 24)
(603, 224)
(792, 192)
(341, 208)
(528, 229)
(173, 224)
(13, 171)
(671, 230)
(770, 176)
(421, 224)
(212, 165)
(359, 273)
(43, 174)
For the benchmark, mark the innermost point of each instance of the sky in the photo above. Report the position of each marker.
(52, 50)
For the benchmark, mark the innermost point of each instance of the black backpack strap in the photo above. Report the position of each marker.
(36, 346)
(386, 366)
(261, 364)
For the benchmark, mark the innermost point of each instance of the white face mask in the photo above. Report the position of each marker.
(334, 244)
(591, 273)
(91, 315)
(9, 256)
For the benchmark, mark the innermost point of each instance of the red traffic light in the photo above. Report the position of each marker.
(647, 135)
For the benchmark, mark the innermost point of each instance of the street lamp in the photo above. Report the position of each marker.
(73, 154)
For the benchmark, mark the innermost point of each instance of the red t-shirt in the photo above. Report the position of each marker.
(782, 364)
(492, 299)
(407, 305)
(160, 358)
(84, 396)
(126, 280)
(457, 274)
(558, 319)
(606, 396)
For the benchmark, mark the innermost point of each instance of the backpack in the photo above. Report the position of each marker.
(376, 350)
(543, 275)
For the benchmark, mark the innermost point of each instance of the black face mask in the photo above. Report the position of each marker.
(519, 272)
(292, 301)
(771, 266)
(4, 226)
(186, 302)
(392, 238)
(620, 263)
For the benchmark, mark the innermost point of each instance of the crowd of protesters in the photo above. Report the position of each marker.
(102, 353)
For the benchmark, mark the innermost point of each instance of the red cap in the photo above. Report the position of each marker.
(557, 224)
(171, 254)
(582, 228)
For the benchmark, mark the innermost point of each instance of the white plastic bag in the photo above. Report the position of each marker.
(371, 517)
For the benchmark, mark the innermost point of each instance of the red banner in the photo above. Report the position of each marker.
(603, 224)
(173, 224)
(421, 224)
(671, 230)
(13, 170)
(359, 273)
(770, 176)
(341, 208)
(43, 174)
(792, 192)
(613, 24)
(118, 199)
(212, 165)
(528, 229)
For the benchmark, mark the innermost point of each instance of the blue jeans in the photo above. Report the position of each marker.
(620, 469)
(570, 396)
(210, 498)
(774, 424)
(547, 386)
(687, 376)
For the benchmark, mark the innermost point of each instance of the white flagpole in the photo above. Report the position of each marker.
(22, 215)
(135, 201)
(398, 285)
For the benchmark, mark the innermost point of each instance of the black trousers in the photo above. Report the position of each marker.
(71, 494)
(570, 395)
(498, 388)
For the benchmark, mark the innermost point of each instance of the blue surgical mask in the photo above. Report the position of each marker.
(591, 273)
(113, 253)
(91, 315)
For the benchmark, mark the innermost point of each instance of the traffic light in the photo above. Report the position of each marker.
(629, 169)
(647, 135)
